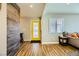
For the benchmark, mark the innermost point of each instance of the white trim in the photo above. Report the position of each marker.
(27, 40)
(50, 42)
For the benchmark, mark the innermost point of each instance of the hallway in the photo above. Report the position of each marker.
(37, 49)
(40, 22)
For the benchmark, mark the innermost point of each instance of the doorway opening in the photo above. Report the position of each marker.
(36, 31)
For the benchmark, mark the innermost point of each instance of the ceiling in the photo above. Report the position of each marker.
(72, 8)
(31, 9)
(37, 9)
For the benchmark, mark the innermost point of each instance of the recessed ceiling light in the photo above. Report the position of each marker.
(31, 6)
(67, 3)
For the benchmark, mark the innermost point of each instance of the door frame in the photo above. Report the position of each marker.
(36, 41)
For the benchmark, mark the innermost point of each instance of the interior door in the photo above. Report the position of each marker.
(36, 30)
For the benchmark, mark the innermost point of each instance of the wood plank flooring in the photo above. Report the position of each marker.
(37, 49)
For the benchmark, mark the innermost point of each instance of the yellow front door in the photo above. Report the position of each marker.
(35, 30)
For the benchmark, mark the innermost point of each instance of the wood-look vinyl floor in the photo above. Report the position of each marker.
(37, 49)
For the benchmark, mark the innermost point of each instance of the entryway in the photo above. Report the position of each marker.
(36, 30)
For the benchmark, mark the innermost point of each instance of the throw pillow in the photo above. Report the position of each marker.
(74, 35)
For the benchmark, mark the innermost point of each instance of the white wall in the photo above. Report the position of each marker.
(46, 37)
(3, 30)
(71, 24)
(71, 21)
(25, 24)
(70, 13)
(26, 27)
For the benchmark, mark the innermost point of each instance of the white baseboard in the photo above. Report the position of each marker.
(3, 54)
(27, 40)
(50, 42)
